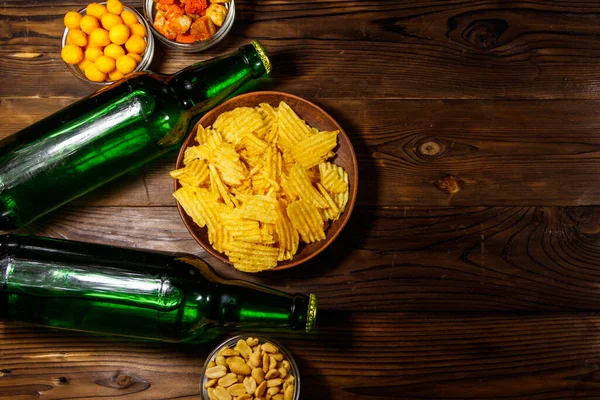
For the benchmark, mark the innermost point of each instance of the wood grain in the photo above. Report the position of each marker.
(351, 356)
(518, 153)
(358, 49)
(415, 259)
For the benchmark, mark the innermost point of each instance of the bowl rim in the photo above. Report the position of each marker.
(231, 341)
(196, 47)
(142, 66)
(351, 195)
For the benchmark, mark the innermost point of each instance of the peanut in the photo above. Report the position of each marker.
(234, 359)
(228, 380)
(216, 372)
(260, 390)
(240, 368)
(278, 357)
(237, 390)
(250, 385)
(220, 360)
(273, 373)
(240, 378)
(251, 341)
(222, 394)
(227, 352)
(255, 359)
(211, 364)
(211, 393)
(274, 382)
(269, 348)
(289, 393)
(245, 397)
(282, 372)
(210, 383)
(277, 397)
(258, 375)
(273, 390)
(265, 362)
(286, 365)
(272, 363)
(243, 348)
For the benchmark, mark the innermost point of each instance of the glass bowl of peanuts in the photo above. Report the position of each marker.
(250, 367)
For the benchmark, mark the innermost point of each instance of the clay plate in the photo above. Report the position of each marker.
(315, 117)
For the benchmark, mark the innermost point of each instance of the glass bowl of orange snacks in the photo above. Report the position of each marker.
(105, 42)
(190, 25)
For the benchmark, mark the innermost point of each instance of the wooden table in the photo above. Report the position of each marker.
(471, 265)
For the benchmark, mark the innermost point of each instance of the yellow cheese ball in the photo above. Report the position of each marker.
(72, 19)
(136, 57)
(119, 34)
(138, 29)
(92, 73)
(96, 9)
(105, 64)
(126, 64)
(114, 51)
(83, 64)
(77, 37)
(114, 6)
(88, 23)
(109, 20)
(136, 44)
(100, 37)
(93, 53)
(115, 75)
(72, 54)
(129, 18)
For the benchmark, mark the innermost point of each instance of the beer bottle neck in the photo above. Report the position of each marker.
(202, 85)
(247, 305)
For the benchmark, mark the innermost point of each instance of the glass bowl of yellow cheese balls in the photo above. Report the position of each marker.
(104, 42)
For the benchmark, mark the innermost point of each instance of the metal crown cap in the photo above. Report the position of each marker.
(311, 315)
(263, 55)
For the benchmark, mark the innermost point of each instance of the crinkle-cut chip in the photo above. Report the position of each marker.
(260, 184)
(251, 257)
(332, 212)
(292, 129)
(272, 135)
(214, 138)
(288, 193)
(331, 179)
(201, 135)
(200, 204)
(269, 111)
(259, 208)
(193, 174)
(307, 220)
(219, 189)
(253, 144)
(287, 235)
(300, 185)
(219, 237)
(341, 199)
(237, 123)
(195, 153)
(315, 149)
(227, 161)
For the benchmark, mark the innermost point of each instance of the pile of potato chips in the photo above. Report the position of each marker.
(259, 181)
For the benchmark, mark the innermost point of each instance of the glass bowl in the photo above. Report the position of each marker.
(146, 59)
(150, 12)
(231, 342)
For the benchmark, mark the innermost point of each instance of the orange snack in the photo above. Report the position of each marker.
(203, 28)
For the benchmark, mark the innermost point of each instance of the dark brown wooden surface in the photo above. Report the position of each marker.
(471, 265)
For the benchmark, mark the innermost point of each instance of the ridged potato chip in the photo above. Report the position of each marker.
(260, 182)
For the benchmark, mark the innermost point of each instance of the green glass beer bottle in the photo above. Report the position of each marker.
(160, 296)
(111, 132)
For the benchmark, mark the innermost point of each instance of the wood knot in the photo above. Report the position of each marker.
(449, 184)
(430, 149)
(5, 372)
(485, 34)
(121, 380)
(63, 380)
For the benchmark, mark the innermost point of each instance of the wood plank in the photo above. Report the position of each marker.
(415, 259)
(355, 49)
(413, 152)
(351, 356)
